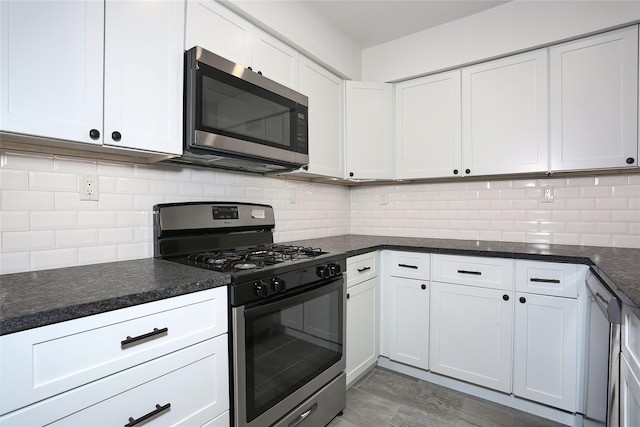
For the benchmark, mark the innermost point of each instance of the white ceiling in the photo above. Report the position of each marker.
(372, 22)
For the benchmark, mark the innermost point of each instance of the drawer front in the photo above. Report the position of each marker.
(194, 381)
(547, 278)
(361, 268)
(412, 265)
(41, 362)
(494, 273)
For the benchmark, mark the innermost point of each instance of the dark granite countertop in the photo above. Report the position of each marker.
(619, 268)
(39, 298)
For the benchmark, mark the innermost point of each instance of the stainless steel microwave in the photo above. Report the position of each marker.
(235, 118)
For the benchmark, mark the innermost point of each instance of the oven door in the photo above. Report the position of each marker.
(285, 350)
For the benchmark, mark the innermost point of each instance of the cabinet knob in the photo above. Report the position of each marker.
(630, 160)
(348, 296)
(455, 171)
(305, 167)
(523, 300)
(467, 171)
(350, 173)
(423, 286)
(260, 72)
(94, 134)
(505, 297)
(249, 68)
(116, 136)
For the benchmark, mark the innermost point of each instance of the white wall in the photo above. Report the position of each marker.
(43, 224)
(304, 28)
(512, 27)
(601, 210)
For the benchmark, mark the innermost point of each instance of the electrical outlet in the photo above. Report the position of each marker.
(547, 194)
(88, 187)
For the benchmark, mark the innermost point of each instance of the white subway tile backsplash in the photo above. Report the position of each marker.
(116, 236)
(53, 220)
(26, 161)
(21, 200)
(603, 209)
(14, 262)
(14, 179)
(97, 254)
(76, 238)
(14, 221)
(97, 219)
(21, 241)
(53, 181)
(56, 258)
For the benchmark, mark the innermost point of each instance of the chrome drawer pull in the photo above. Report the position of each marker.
(157, 411)
(360, 270)
(137, 340)
(535, 279)
(475, 273)
(415, 267)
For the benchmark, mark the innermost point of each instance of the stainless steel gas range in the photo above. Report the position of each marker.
(287, 311)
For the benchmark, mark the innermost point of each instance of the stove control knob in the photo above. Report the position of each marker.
(323, 272)
(278, 284)
(262, 289)
(334, 269)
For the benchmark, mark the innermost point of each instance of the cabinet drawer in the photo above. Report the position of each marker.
(361, 267)
(194, 381)
(41, 362)
(547, 278)
(412, 265)
(495, 273)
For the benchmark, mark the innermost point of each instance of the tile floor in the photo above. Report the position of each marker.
(387, 399)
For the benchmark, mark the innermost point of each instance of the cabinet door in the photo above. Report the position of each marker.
(369, 138)
(504, 105)
(428, 126)
(325, 92)
(545, 355)
(470, 334)
(275, 59)
(51, 58)
(594, 102)
(409, 321)
(629, 395)
(143, 75)
(363, 330)
(218, 30)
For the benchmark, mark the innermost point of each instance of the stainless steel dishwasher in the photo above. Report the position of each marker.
(602, 373)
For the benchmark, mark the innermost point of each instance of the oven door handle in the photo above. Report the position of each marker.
(297, 298)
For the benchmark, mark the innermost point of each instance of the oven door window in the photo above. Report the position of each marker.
(238, 109)
(289, 342)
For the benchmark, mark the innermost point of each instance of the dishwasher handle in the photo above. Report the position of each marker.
(608, 303)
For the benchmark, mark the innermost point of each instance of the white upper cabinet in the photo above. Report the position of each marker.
(428, 126)
(504, 110)
(51, 59)
(142, 59)
(143, 75)
(218, 30)
(326, 135)
(275, 60)
(369, 130)
(594, 102)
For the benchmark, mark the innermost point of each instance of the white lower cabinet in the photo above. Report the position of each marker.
(471, 334)
(363, 314)
(116, 367)
(629, 395)
(545, 350)
(408, 310)
(363, 346)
